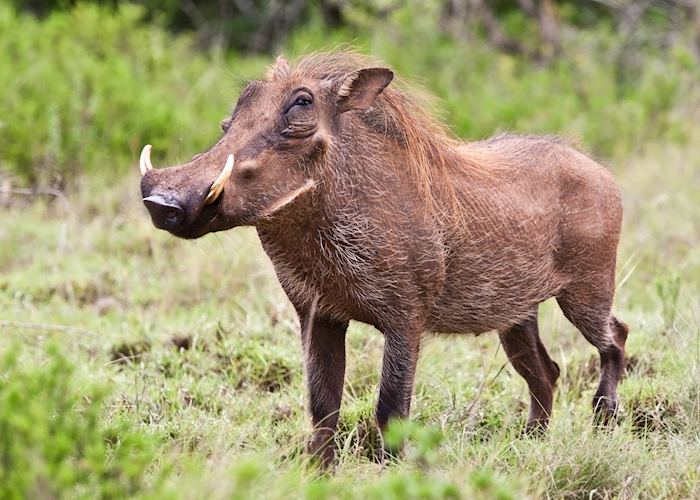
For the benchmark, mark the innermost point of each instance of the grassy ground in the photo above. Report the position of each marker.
(138, 364)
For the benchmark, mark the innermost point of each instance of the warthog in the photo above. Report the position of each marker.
(370, 211)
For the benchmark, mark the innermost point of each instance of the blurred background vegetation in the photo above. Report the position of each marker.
(86, 84)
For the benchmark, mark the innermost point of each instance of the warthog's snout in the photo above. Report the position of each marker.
(166, 211)
(165, 214)
(176, 200)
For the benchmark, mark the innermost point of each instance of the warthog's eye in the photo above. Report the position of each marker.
(302, 101)
(299, 119)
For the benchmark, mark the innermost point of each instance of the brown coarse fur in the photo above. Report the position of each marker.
(402, 115)
(371, 211)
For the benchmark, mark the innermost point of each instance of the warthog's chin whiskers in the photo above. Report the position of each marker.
(220, 181)
(145, 159)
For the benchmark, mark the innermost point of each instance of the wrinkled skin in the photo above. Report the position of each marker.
(370, 212)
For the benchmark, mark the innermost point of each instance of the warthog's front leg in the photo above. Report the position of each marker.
(324, 352)
(398, 371)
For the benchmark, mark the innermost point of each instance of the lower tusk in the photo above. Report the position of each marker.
(145, 159)
(220, 181)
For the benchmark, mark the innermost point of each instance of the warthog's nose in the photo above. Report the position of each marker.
(166, 214)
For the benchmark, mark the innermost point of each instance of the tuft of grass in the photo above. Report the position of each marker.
(668, 290)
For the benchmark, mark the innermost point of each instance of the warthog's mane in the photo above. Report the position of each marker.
(404, 115)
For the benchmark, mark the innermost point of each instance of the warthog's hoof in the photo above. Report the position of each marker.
(604, 409)
(321, 447)
(536, 428)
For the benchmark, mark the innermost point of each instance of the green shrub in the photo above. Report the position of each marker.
(85, 89)
(54, 441)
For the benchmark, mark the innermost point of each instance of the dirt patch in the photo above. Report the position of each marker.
(281, 412)
(182, 342)
(128, 352)
(106, 304)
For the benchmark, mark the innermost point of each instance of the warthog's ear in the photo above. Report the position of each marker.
(278, 70)
(359, 89)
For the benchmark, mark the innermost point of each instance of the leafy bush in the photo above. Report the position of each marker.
(53, 437)
(84, 89)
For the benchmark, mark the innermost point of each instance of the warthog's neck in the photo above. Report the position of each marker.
(361, 254)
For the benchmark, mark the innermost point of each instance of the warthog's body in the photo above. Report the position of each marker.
(371, 213)
(537, 217)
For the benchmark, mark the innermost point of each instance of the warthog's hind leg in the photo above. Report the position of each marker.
(589, 311)
(530, 359)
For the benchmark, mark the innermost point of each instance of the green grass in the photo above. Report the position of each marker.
(138, 364)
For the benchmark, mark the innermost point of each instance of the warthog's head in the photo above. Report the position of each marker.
(268, 158)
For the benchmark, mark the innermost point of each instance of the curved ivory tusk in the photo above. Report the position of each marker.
(145, 159)
(218, 185)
